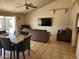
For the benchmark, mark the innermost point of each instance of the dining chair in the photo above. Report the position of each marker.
(27, 43)
(3, 32)
(8, 45)
(0, 48)
(23, 46)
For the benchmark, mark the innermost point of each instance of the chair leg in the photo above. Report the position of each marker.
(28, 52)
(0, 51)
(14, 53)
(10, 54)
(4, 53)
(23, 55)
(17, 52)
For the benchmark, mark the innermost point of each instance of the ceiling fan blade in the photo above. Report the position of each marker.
(27, 5)
(32, 6)
(19, 4)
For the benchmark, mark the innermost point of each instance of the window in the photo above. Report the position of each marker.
(0, 24)
(1, 21)
(10, 24)
(7, 23)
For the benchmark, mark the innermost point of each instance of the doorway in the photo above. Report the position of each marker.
(77, 38)
(77, 27)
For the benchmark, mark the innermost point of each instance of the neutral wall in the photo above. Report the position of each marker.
(20, 20)
(60, 18)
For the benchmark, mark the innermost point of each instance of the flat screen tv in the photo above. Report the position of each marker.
(45, 21)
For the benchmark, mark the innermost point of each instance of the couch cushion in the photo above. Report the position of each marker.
(39, 35)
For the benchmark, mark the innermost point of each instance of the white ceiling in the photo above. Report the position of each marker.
(78, 2)
(10, 5)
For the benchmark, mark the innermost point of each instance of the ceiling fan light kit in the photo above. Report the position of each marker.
(27, 7)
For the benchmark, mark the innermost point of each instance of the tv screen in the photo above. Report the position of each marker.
(46, 21)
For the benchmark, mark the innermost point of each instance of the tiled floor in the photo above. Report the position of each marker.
(51, 50)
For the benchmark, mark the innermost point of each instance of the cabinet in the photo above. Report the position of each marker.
(64, 35)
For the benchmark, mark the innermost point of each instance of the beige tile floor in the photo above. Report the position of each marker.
(52, 50)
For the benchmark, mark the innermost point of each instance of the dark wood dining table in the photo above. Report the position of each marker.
(15, 39)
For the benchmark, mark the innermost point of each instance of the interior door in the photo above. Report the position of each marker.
(77, 41)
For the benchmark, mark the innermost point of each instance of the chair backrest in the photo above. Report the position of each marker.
(6, 43)
(24, 29)
(3, 32)
(24, 45)
(27, 42)
(25, 26)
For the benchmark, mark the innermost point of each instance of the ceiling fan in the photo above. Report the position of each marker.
(27, 5)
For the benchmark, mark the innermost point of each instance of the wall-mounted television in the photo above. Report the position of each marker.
(45, 21)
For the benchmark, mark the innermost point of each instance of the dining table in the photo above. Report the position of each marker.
(15, 39)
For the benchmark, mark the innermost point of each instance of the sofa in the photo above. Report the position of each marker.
(39, 35)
